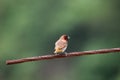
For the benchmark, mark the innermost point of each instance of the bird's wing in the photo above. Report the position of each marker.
(60, 44)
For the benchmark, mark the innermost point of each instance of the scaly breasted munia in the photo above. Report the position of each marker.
(61, 44)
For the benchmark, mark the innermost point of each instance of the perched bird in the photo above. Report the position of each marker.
(61, 44)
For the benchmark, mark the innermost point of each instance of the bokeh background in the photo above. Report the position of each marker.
(31, 27)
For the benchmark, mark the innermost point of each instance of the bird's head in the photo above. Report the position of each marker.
(65, 37)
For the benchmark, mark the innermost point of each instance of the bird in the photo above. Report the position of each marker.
(61, 44)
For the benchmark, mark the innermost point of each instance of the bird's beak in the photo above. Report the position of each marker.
(68, 37)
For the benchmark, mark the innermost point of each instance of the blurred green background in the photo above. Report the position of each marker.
(31, 27)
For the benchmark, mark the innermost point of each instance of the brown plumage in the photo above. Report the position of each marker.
(61, 44)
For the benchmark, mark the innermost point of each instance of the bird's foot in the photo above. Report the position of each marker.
(62, 53)
(65, 53)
